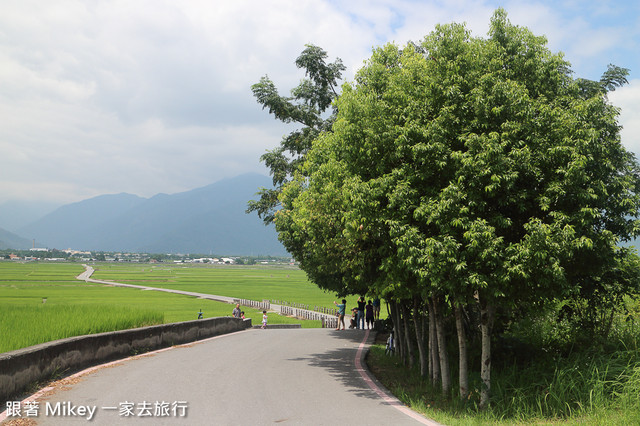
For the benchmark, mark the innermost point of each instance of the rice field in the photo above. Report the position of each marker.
(256, 282)
(40, 302)
(24, 325)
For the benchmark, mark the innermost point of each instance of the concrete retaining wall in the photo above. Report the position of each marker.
(24, 367)
(272, 326)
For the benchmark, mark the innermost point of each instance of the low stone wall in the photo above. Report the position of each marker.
(272, 326)
(24, 367)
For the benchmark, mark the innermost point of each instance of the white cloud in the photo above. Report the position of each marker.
(111, 96)
(627, 98)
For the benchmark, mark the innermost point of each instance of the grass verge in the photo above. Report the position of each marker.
(583, 388)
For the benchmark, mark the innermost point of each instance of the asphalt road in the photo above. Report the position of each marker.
(253, 377)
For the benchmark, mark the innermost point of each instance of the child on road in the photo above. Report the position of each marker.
(264, 319)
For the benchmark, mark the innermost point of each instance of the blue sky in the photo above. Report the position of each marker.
(145, 96)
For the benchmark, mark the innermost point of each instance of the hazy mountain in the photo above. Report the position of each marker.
(9, 240)
(210, 219)
(75, 223)
(17, 214)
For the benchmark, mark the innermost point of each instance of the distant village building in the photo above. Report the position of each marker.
(212, 260)
(76, 252)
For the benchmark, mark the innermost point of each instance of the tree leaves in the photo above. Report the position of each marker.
(306, 106)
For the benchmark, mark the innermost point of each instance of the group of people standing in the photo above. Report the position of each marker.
(237, 313)
(363, 313)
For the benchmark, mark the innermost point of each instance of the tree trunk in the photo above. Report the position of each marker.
(398, 330)
(434, 360)
(418, 325)
(486, 323)
(407, 334)
(607, 328)
(424, 333)
(463, 378)
(442, 346)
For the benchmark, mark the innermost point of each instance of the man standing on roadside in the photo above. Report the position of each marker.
(237, 313)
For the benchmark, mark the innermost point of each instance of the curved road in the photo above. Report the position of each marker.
(253, 377)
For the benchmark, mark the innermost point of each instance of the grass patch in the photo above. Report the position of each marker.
(583, 388)
(41, 302)
(45, 322)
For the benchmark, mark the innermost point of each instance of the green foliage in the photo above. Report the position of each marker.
(585, 386)
(612, 78)
(474, 170)
(573, 387)
(474, 165)
(306, 106)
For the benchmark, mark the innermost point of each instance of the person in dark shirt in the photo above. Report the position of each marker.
(354, 314)
(369, 314)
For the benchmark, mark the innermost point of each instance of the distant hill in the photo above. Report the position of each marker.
(17, 214)
(9, 240)
(210, 219)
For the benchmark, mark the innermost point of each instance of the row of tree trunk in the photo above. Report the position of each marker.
(420, 334)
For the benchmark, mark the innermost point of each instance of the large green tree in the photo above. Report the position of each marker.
(466, 171)
(307, 107)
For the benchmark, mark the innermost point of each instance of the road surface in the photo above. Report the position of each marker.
(253, 377)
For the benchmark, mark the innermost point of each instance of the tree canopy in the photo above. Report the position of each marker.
(306, 107)
(470, 172)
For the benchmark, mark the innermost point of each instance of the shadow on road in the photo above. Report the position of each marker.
(339, 362)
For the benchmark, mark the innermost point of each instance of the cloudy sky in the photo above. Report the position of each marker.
(149, 96)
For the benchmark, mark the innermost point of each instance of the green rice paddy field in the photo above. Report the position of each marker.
(258, 282)
(40, 301)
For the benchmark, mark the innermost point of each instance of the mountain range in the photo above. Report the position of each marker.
(9, 240)
(207, 220)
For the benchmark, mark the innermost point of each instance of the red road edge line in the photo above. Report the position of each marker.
(391, 400)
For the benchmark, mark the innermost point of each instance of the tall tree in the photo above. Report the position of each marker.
(467, 170)
(306, 107)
